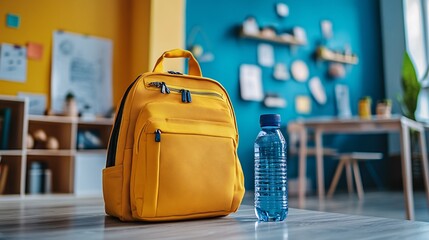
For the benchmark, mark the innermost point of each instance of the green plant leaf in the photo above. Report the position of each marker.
(410, 86)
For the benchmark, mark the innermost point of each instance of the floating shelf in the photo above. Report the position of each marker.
(329, 55)
(276, 39)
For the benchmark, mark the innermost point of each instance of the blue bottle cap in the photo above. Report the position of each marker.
(270, 120)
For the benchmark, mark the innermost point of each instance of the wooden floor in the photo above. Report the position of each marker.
(84, 218)
(377, 204)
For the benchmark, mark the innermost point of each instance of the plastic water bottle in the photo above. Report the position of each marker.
(271, 197)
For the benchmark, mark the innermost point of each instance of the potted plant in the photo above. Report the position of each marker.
(411, 88)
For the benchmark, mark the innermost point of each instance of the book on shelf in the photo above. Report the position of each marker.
(3, 177)
(5, 121)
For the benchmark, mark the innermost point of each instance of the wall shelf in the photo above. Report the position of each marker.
(327, 54)
(276, 39)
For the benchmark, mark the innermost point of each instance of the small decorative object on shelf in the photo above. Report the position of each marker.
(250, 30)
(39, 178)
(365, 107)
(327, 54)
(250, 26)
(52, 143)
(89, 139)
(336, 70)
(268, 32)
(40, 138)
(70, 106)
(384, 108)
(30, 141)
(300, 35)
(88, 114)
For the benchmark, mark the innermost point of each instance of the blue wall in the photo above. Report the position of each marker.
(355, 22)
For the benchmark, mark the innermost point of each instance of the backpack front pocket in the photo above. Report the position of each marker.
(182, 172)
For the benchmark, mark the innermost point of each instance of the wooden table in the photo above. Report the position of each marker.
(65, 218)
(331, 125)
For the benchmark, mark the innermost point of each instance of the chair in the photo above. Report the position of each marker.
(294, 131)
(350, 161)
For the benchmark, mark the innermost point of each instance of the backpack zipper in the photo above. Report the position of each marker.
(186, 94)
(158, 135)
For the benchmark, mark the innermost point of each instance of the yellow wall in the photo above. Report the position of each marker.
(39, 18)
(141, 30)
(141, 17)
(167, 29)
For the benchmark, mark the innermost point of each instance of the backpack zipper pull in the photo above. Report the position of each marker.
(176, 73)
(184, 97)
(188, 96)
(164, 88)
(158, 135)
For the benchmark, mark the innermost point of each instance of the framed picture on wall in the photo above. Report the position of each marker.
(81, 66)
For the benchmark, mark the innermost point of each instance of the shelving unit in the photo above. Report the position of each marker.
(66, 163)
(276, 39)
(15, 154)
(326, 54)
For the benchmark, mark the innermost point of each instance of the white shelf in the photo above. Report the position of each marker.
(11, 152)
(47, 152)
(52, 119)
(92, 151)
(97, 121)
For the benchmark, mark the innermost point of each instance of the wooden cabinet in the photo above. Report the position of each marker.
(82, 140)
(13, 154)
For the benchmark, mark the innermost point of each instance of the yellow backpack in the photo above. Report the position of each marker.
(172, 153)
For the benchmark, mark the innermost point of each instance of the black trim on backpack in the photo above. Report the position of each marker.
(111, 151)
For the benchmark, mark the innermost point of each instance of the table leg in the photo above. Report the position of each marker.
(349, 176)
(424, 153)
(358, 179)
(302, 167)
(406, 172)
(336, 178)
(319, 164)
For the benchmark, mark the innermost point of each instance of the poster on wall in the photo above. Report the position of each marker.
(81, 66)
(13, 62)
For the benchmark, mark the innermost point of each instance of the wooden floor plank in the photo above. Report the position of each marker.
(84, 218)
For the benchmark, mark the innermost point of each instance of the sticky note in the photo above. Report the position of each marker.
(34, 50)
(303, 104)
(12, 20)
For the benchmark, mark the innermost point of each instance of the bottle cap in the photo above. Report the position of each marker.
(270, 120)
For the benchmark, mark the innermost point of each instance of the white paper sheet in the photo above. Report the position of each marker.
(13, 63)
(81, 65)
(317, 90)
(36, 102)
(343, 100)
(265, 55)
(250, 83)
